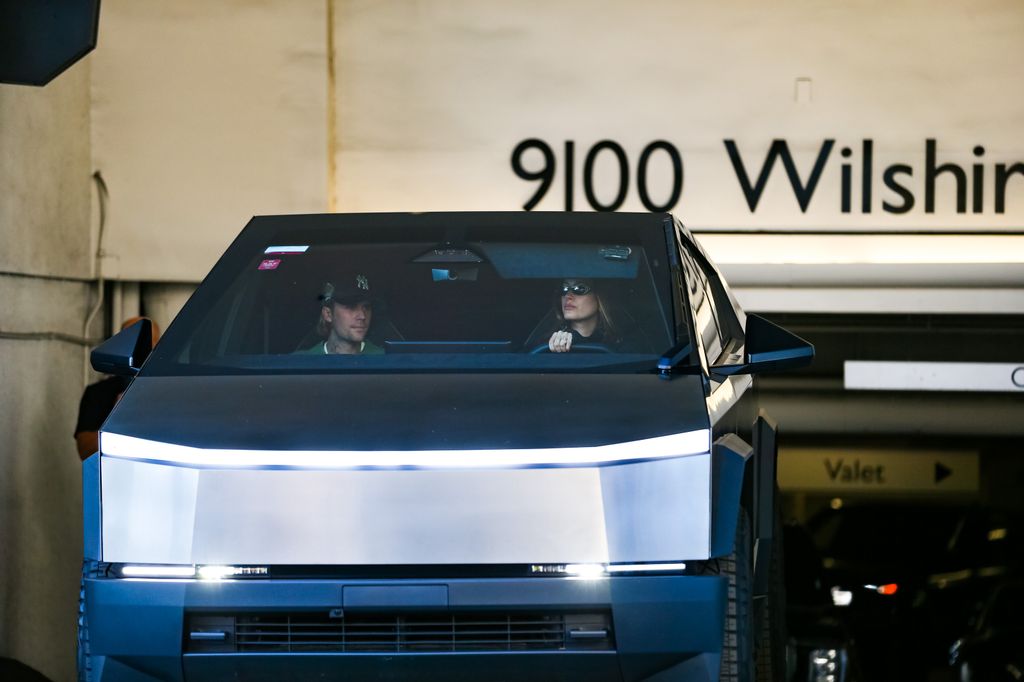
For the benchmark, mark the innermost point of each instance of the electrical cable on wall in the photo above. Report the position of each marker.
(103, 195)
(50, 336)
(83, 340)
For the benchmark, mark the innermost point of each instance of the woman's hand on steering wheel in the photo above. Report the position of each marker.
(578, 348)
(560, 342)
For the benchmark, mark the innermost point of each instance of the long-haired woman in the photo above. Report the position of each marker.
(582, 316)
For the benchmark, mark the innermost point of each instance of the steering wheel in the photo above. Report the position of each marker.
(576, 348)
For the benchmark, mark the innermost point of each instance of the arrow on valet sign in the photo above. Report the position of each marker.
(941, 472)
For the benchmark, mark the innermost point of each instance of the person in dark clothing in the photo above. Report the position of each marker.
(97, 401)
(583, 318)
(584, 313)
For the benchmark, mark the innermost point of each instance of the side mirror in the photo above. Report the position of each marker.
(123, 353)
(768, 347)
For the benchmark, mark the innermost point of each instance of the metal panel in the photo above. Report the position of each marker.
(647, 511)
(657, 509)
(92, 512)
(729, 461)
(149, 511)
(394, 596)
(657, 620)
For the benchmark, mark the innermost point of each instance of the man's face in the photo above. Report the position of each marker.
(349, 321)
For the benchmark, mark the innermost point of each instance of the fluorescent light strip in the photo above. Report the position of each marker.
(662, 447)
(868, 375)
(844, 249)
(286, 249)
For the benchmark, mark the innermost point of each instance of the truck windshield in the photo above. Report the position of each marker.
(390, 298)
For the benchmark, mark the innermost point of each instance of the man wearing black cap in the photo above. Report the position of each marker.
(345, 315)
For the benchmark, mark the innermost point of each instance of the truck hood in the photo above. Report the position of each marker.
(407, 469)
(408, 412)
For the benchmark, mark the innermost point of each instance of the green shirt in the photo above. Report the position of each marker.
(321, 349)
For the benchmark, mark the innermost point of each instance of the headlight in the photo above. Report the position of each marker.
(826, 665)
(189, 572)
(602, 570)
(841, 597)
(153, 571)
(225, 572)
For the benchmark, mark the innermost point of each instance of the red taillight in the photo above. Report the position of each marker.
(887, 589)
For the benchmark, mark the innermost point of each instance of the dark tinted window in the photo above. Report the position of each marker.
(485, 299)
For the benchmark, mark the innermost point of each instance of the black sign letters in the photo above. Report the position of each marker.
(903, 183)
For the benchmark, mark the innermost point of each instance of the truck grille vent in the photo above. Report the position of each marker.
(304, 632)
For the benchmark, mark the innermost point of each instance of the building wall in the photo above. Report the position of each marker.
(205, 114)
(434, 97)
(46, 238)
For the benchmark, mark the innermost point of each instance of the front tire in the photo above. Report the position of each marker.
(738, 645)
(771, 623)
(85, 663)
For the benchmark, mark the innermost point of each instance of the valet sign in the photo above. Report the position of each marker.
(839, 470)
(835, 182)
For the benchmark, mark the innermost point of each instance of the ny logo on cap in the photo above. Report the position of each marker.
(362, 282)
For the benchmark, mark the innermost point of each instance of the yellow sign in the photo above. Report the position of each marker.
(875, 470)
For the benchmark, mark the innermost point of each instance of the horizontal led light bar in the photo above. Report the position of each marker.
(201, 572)
(223, 572)
(645, 568)
(585, 570)
(661, 447)
(149, 571)
(598, 570)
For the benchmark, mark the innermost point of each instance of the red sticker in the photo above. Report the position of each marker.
(270, 264)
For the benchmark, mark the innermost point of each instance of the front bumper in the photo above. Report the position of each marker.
(670, 625)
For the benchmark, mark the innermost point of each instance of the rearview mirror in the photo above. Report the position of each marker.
(123, 353)
(768, 347)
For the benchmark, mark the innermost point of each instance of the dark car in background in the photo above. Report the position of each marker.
(820, 644)
(992, 650)
(909, 576)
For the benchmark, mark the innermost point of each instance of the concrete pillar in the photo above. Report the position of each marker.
(46, 239)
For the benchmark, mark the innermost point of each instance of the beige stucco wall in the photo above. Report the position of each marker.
(434, 96)
(46, 237)
(205, 114)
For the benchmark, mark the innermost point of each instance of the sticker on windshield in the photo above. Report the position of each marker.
(287, 249)
(269, 264)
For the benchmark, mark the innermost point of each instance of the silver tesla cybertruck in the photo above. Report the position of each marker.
(468, 446)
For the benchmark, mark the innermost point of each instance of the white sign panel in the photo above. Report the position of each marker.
(794, 115)
(933, 376)
(839, 471)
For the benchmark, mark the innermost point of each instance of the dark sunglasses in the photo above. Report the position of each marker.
(578, 289)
